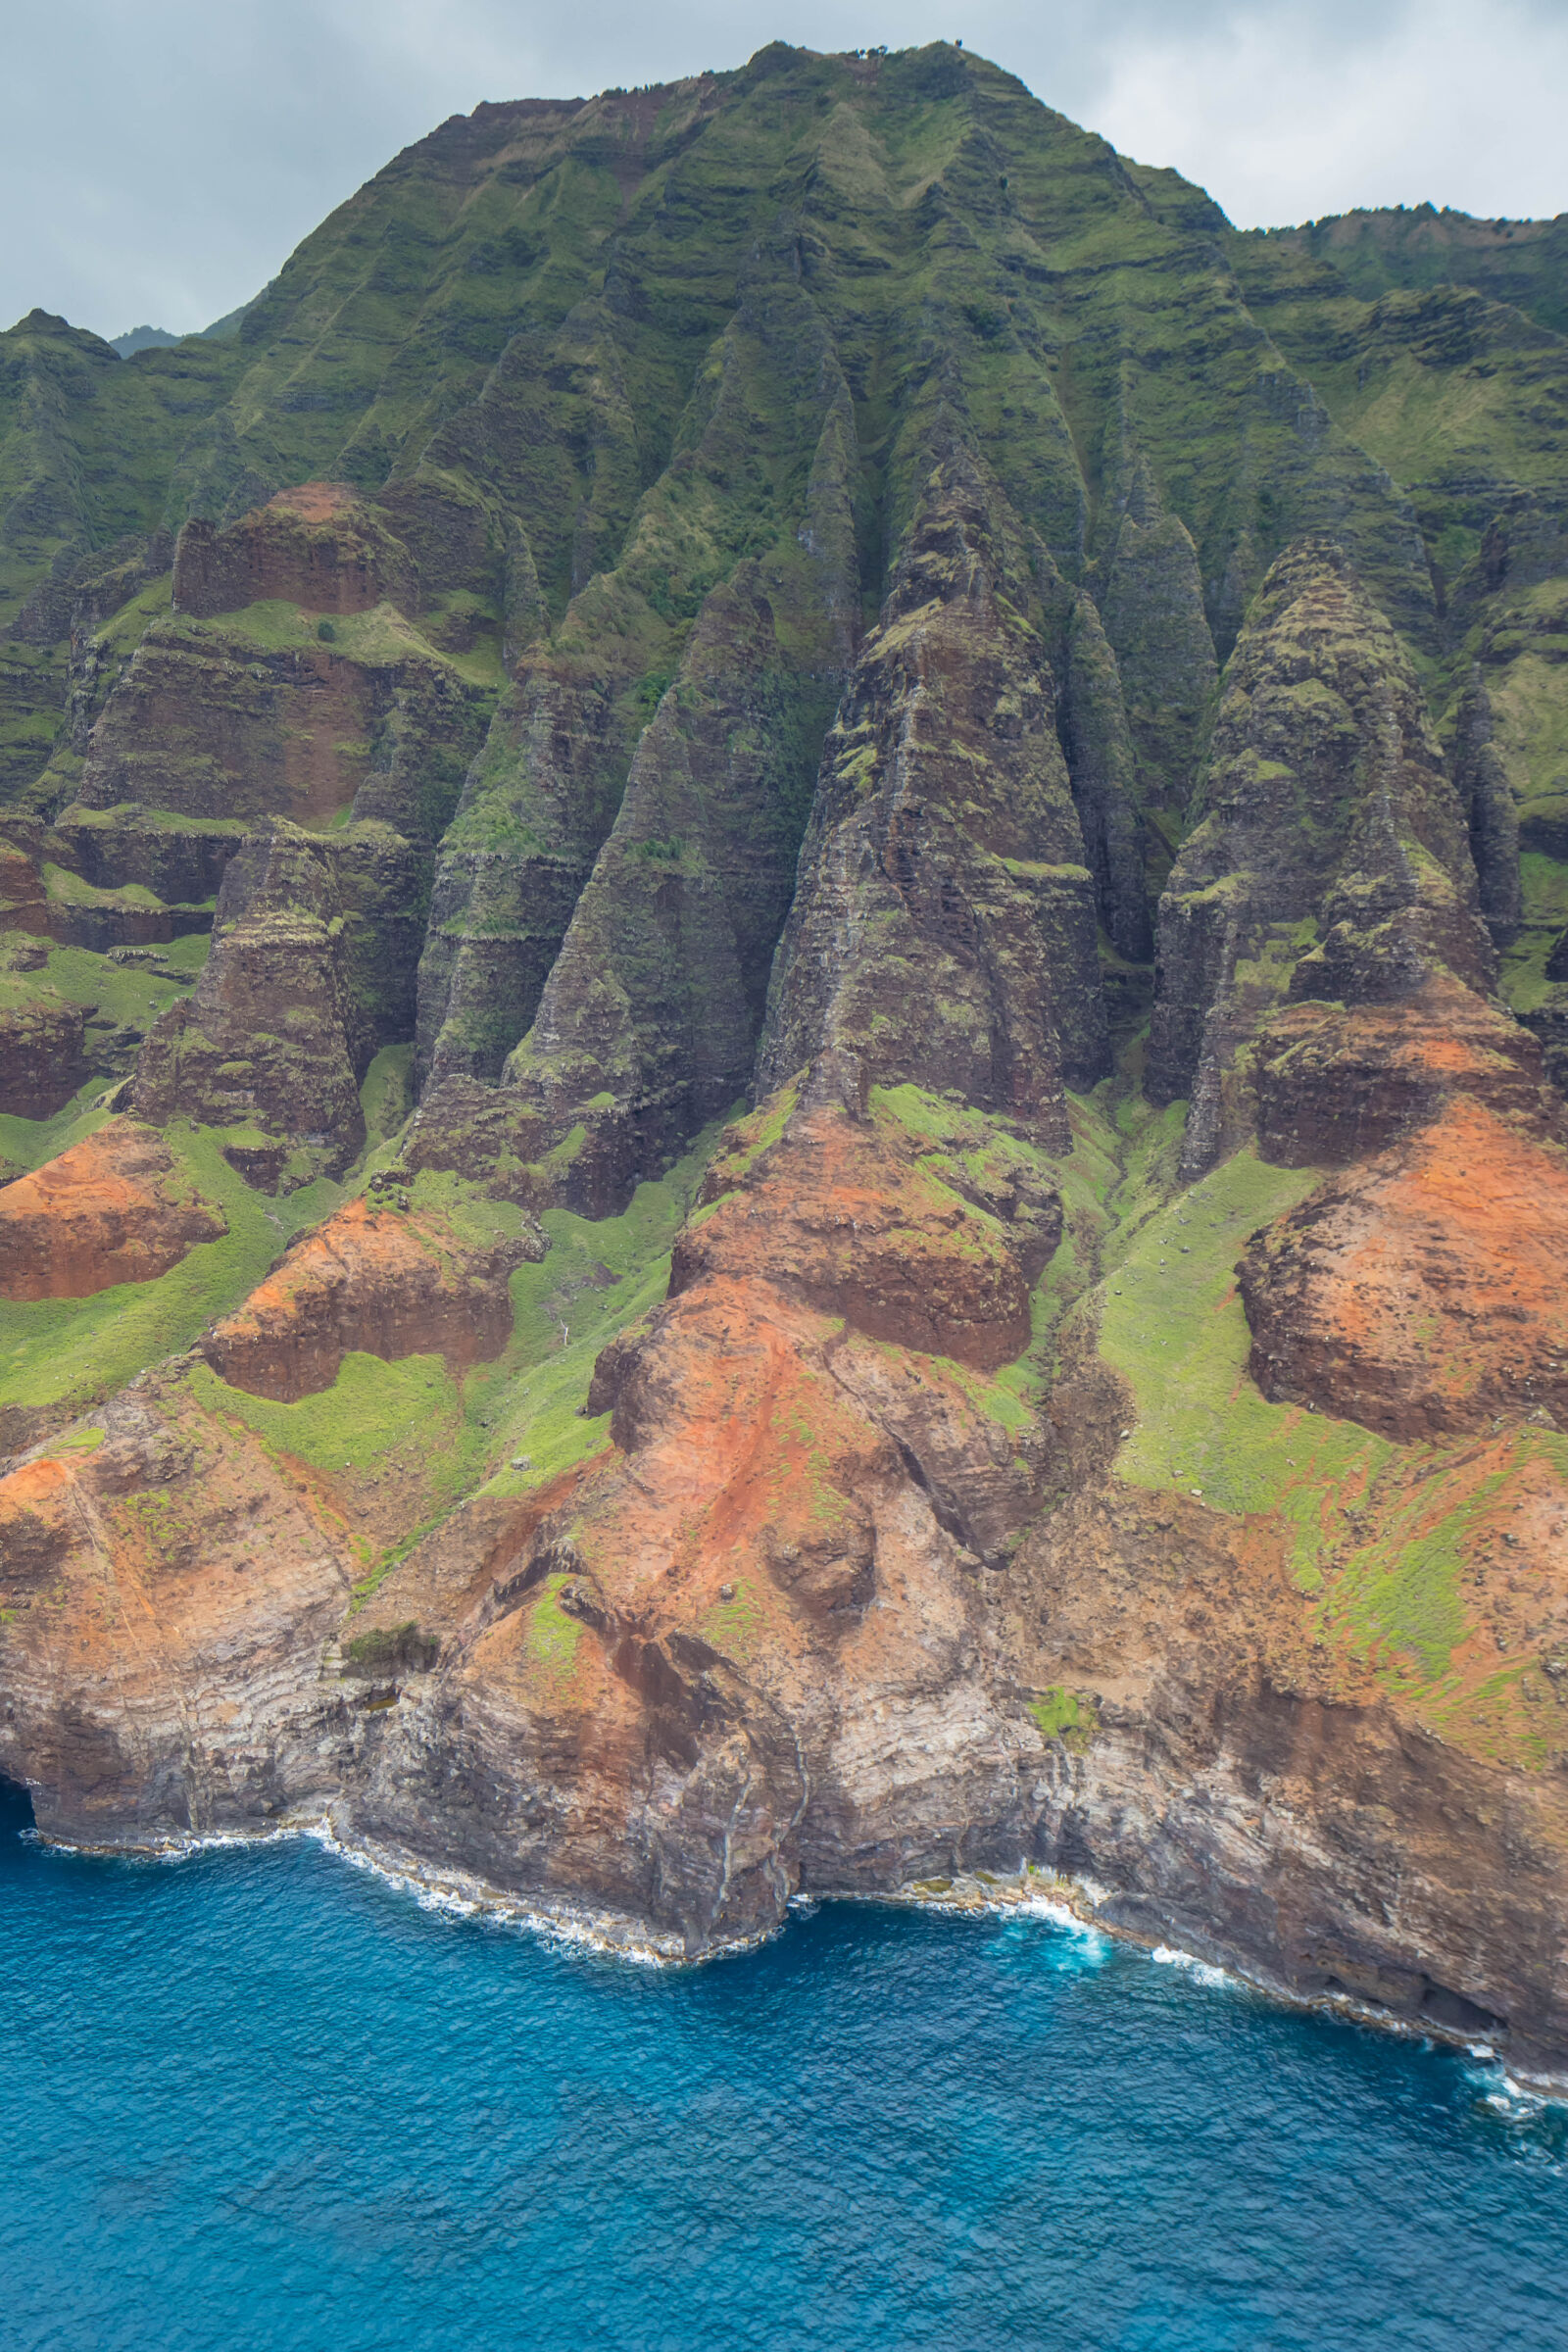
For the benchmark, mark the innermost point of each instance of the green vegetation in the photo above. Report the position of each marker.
(409, 1411)
(65, 1354)
(28, 1143)
(551, 1650)
(596, 1280)
(733, 1626)
(387, 1095)
(441, 1437)
(1066, 1715)
(388, 1649)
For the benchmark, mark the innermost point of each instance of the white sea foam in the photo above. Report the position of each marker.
(1515, 2101)
(1062, 1915)
(457, 1895)
(1168, 1956)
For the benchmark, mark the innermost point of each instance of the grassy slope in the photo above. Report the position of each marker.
(68, 1352)
(458, 1435)
(1383, 1540)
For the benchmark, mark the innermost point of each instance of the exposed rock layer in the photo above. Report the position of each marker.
(114, 1209)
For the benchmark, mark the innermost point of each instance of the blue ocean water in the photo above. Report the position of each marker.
(258, 2099)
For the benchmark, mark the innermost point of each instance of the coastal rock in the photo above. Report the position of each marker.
(875, 1492)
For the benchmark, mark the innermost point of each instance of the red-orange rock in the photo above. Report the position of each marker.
(1336, 1083)
(373, 1279)
(318, 546)
(114, 1209)
(848, 1218)
(1423, 1291)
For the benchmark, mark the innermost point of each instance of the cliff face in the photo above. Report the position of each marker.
(781, 1024)
(945, 926)
(1330, 859)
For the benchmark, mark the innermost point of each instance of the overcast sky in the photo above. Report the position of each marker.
(159, 159)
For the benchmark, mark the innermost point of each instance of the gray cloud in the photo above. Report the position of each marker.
(160, 158)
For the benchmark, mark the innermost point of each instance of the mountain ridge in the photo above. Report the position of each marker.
(831, 846)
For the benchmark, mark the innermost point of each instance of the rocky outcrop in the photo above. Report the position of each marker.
(1248, 1796)
(273, 1035)
(214, 725)
(42, 1061)
(785, 1544)
(1490, 813)
(1333, 1084)
(945, 921)
(1103, 769)
(244, 1575)
(1151, 594)
(1421, 1290)
(534, 810)
(114, 1209)
(849, 1216)
(647, 1028)
(910, 1510)
(734, 658)
(318, 546)
(1331, 859)
(374, 1277)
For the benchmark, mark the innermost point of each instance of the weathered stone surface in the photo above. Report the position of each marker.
(647, 1025)
(833, 1571)
(213, 1722)
(381, 1280)
(114, 1209)
(1334, 1084)
(273, 1033)
(944, 929)
(1422, 1291)
(1103, 768)
(1331, 859)
(845, 1216)
(1151, 596)
(318, 546)
(42, 1061)
(1490, 814)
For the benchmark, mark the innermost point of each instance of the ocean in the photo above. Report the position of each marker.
(259, 2097)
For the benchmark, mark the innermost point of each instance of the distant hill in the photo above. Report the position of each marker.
(140, 338)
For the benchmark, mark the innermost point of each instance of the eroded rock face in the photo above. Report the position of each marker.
(647, 1027)
(273, 1032)
(42, 1060)
(318, 546)
(661, 1684)
(1249, 1791)
(1422, 1291)
(856, 1557)
(945, 922)
(379, 1279)
(1332, 858)
(219, 1719)
(1151, 594)
(850, 1217)
(114, 1209)
(1334, 1084)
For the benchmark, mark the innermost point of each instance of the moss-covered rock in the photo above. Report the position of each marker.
(1331, 857)
(944, 929)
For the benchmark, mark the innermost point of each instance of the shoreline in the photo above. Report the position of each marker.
(1032, 1893)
